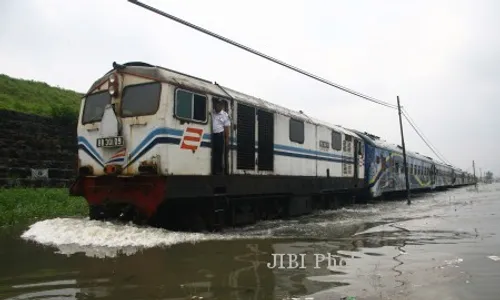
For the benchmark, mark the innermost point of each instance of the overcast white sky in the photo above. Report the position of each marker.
(441, 57)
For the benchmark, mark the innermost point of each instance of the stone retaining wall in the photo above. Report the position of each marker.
(36, 151)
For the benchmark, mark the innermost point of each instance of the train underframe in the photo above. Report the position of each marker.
(210, 203)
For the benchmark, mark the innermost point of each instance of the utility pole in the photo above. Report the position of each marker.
(474, 169)
(404, 155)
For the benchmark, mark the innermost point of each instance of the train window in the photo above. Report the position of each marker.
(190, 106)
(141, 99)
(94, 107)
(336, 141)
(297, 131)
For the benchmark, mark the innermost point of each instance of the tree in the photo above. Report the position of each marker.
(488, 178)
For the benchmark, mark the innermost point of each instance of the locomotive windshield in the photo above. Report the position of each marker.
(141, 99)
(94, 107)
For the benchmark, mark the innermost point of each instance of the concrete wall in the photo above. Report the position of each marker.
(36, 151)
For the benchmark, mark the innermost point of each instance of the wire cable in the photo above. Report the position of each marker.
(425, 141)
(412, 123)
(203, 30)
(293, 68)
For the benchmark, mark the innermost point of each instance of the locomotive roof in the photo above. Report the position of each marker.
(181, 79)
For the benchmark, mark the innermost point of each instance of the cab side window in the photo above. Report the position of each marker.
(190, 106)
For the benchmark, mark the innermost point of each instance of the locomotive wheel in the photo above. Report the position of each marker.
(198, 223)
(96, 212)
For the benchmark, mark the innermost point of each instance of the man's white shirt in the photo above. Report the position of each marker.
(219, 121)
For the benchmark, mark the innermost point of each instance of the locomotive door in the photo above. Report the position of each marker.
(227, 160)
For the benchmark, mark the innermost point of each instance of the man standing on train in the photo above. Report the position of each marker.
(220, 137)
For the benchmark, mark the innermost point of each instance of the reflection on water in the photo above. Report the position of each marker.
(428, 250)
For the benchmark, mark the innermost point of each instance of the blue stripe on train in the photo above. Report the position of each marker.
(153, 139)
(91, 151)
(176, 141)
(178, 133)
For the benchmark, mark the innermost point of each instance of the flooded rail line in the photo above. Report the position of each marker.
(443, 246)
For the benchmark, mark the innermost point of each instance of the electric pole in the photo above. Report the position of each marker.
(404, 155)
(474, 170)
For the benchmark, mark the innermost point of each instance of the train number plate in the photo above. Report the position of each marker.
(116, 141)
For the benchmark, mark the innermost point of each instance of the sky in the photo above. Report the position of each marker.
(442, 58)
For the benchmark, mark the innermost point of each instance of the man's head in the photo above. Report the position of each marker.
(219, 105)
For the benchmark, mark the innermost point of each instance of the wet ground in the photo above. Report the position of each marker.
(443, 246)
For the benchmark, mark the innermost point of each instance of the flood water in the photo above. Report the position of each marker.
(443, 246)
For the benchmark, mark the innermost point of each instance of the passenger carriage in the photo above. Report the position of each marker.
(384, 168)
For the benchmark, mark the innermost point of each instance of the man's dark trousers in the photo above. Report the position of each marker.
(217, 153)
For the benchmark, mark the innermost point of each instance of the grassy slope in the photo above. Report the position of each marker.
(37, 97)
(23, 204)
(20, 205)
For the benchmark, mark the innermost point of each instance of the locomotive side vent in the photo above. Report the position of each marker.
(245, 137)
(266, 140)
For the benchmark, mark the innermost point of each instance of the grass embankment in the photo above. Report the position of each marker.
(38, 98)
(21, 205)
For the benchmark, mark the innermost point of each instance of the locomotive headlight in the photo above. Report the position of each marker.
(113, 85)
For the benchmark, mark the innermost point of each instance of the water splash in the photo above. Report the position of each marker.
(106, 239)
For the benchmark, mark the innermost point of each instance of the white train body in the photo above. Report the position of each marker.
(180, 145)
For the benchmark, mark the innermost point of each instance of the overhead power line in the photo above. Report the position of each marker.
(423, 137)
(439, 155)
(201, 29)
(293, 68)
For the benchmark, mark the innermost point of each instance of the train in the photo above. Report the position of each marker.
(145, 155)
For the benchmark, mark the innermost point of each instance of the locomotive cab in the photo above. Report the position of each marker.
(115, 157)
(116, 111)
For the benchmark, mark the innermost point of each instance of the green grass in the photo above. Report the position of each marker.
(38, 98)
(19, 205)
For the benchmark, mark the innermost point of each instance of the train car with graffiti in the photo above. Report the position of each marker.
(384, 166)
(384, 169)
